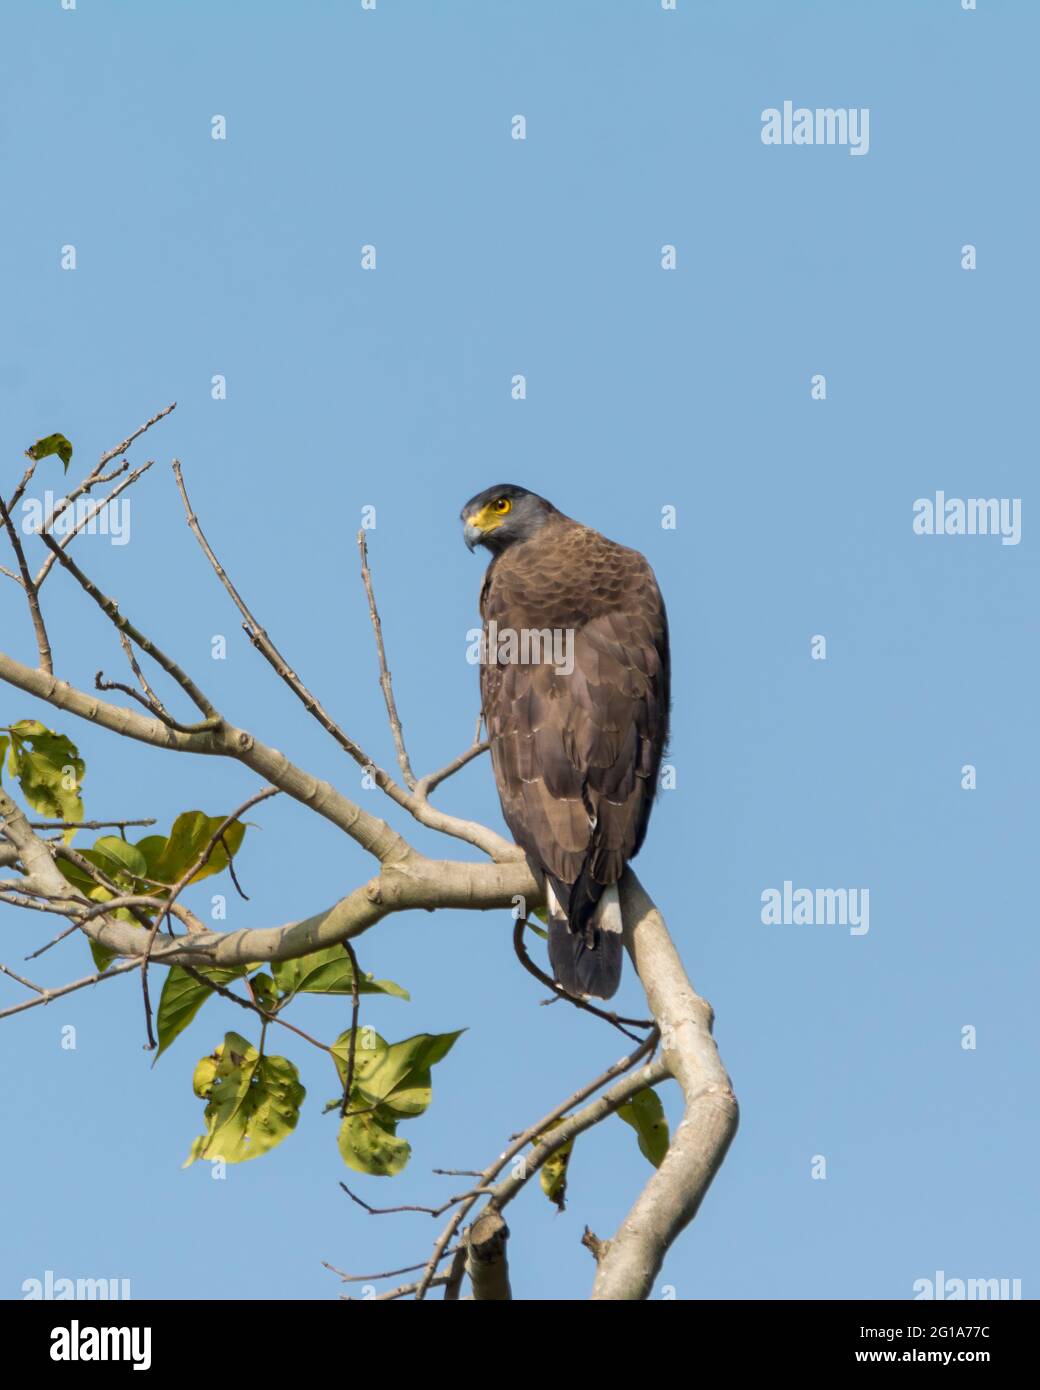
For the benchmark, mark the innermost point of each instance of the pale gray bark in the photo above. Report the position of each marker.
(486, 1262)
(629, 1263)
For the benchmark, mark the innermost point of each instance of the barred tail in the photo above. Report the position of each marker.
(587, 961)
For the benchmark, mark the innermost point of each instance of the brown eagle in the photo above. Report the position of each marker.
(574, 683)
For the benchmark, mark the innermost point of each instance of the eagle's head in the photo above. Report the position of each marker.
(502, 515)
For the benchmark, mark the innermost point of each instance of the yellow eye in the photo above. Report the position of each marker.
(502, 505)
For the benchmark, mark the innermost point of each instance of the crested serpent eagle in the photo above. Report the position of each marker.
(574, 690)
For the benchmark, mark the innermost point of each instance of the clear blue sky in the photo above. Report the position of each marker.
(645, 388)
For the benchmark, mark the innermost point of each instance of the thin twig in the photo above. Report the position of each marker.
(89, 516)
(371, 1278)
(26, 479)
(546, 1122)
(50, 994)
(426, 1211)
(54, 941)
(128, 652)
(141, 429)
(88, 824)
(150, 703)
(6, 970)
(260, 639)
(355, 992)
(217, 838)
(558, 990)
(110, 608)
(255, 1008)
(403, 1290)
(488, 840)
(384, 671)
(43, 645)
(426, 784)
(95, 476)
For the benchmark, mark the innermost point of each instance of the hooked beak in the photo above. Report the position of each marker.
(472, 535)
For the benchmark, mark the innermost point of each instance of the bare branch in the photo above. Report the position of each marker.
(155, 704)
(426, 784)
(669, 1201)
(87, 518)
(384, 671)
(50, 994)
(38, 989)
(486, 1262)
(469, 1197)
(43, 645)
(403, 1290)
(533, 1131)
(456, 1273)
(24, 482)
(559, 992)
(141, 429)
(492, 844)
(96, 474)
(385, 1274)
(88, 824)
(222, 739)
(254, 1007)
(355, 1013)
(123, 624)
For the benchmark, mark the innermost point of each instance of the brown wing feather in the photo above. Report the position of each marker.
(576, 755)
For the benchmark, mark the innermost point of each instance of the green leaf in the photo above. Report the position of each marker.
(328, 972)
(397, 1074)
(168, 858)
(51, 444)
(264, 992)
(182, 997)
(369, 1144)
(553, 1173)
(204, 1075)
(119, 861)
(48, 769)
(122, 864)
(391, 1082)
(369, 1053)
(645, 1113)
(253, 1102)
(103, 957)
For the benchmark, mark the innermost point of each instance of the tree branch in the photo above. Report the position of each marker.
(384, 671)
(486, 1262)
(630, 1262)
(418, 806)
(43, 645)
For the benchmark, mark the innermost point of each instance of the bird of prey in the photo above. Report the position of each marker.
(574, 681)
